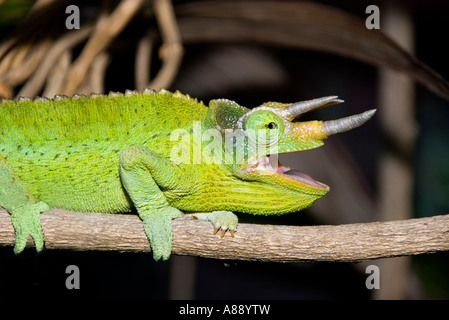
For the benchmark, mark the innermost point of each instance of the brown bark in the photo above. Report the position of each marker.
(349, 242)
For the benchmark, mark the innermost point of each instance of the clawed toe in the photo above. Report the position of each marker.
(222, 221)
(223, 231)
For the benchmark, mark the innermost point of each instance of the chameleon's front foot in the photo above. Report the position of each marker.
(26, 221)
(159, 230)
(221, 220)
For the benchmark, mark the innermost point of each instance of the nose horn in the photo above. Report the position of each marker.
(345, 124)
(295, 109)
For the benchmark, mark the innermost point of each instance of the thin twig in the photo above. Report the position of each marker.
(25, 30)
(172, 50)
(36, 82)
(106, 30)
(95, 79)
(19, 73)
(142, 64)
(57, 74)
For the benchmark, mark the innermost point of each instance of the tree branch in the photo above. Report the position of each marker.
(350, 242)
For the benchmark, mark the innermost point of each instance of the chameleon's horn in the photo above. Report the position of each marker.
(295, 109)
(344, 124)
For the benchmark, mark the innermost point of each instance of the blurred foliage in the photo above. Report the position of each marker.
(12, 11)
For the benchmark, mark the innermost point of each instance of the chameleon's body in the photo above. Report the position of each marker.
(113, 153)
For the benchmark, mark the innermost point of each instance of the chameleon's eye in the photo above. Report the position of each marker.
(264, 126)
(272, 125)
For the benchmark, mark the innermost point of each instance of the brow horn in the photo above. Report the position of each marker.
(344, 124)
(295, 109)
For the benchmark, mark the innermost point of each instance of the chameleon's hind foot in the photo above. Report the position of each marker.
(26, 221)
(221, 220)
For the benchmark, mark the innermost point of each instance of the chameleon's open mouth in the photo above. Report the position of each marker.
(269, 165)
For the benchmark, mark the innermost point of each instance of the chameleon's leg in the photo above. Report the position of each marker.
(143, 174)
(221, 220)
(24, 209)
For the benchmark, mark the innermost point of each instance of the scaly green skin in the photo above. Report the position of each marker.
(112, 153)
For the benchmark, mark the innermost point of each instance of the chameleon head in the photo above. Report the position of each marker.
(269, 130)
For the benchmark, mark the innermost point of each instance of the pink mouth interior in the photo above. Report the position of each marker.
(266, 163)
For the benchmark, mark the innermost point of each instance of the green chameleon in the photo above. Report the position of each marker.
(161, 153)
